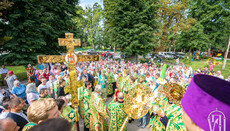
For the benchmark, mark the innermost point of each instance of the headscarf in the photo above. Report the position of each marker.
(31, 88)
(10, 72)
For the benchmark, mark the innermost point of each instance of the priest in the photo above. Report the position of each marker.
(167, 109)
(117, 112)
(206, 105)
(98, 111)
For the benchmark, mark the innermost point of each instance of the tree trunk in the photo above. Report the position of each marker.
(93, 44)
(114, 48)
(209, 50)
(190, 50)
(134, 58)
(226, 55)
(175, 49)
(85, 44)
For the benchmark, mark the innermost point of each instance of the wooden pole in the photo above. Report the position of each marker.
(226, 55)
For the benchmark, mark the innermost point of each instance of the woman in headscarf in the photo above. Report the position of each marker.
(10, 78)
(32, 94)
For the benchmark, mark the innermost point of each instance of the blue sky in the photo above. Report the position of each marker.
(85, 3)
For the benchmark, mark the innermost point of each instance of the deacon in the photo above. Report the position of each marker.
(206, 105)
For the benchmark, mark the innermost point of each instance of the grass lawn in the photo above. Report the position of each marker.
(202, 63)
(19, 71)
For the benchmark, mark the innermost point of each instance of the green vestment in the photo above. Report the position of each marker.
(28, 126)
(81, 101)
(174, 115)
(99, 114)
(111, 79)
(87, 96)
(118, 116)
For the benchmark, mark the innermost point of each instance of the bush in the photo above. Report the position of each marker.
(206, 66)
(144, 60)
(185, 58)
(158, 64)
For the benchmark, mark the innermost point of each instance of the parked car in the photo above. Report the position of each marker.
(175, 55)
(159, 56)
(92, 52)
(148, 56)
(106, 54)
(169, 55)
(117, 55)
(181, 55)
(78, 52)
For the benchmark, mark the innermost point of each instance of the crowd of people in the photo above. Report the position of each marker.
(44, 100)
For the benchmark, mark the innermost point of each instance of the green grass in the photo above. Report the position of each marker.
(19, 71)
(202, 63)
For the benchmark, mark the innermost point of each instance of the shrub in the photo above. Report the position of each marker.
(185, 58)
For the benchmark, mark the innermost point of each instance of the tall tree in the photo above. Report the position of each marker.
(213, 16)
(173, 19)
(91, 23)
(5, 4)
(193, 39)
(131, 25)
(35, 26)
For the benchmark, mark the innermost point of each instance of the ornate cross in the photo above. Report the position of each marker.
(71, 59)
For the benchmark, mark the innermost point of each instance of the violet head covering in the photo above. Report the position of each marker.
(207, 102)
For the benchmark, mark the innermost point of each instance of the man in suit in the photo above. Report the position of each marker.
(87, 75)
(17, 105)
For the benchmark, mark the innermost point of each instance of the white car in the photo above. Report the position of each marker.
(148, 56)
(117, 56)
(78, 52)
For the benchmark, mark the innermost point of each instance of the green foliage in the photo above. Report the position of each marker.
(185, 58)
(212, 28)
(144, 60)
(35, 27)
(173, 20)
(193, 38)
(91, 26)
(19, 71)
(131, 24)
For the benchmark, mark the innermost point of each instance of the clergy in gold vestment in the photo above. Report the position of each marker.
(99, 114)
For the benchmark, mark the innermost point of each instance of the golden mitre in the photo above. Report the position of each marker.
(174, 92)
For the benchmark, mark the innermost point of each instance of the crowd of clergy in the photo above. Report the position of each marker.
(182, 98)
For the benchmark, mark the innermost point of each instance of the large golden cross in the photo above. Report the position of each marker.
(71, 59)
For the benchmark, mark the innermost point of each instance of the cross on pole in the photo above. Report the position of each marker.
(71, 59)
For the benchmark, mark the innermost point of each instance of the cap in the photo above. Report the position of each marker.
(207, 95)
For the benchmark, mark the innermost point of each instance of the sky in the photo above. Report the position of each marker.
(85, 3)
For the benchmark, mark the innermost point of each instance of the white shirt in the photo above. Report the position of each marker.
(148, 79)
(221, 77)
(115, 77)
(10, 81)
(3, 115)
(3, 71)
